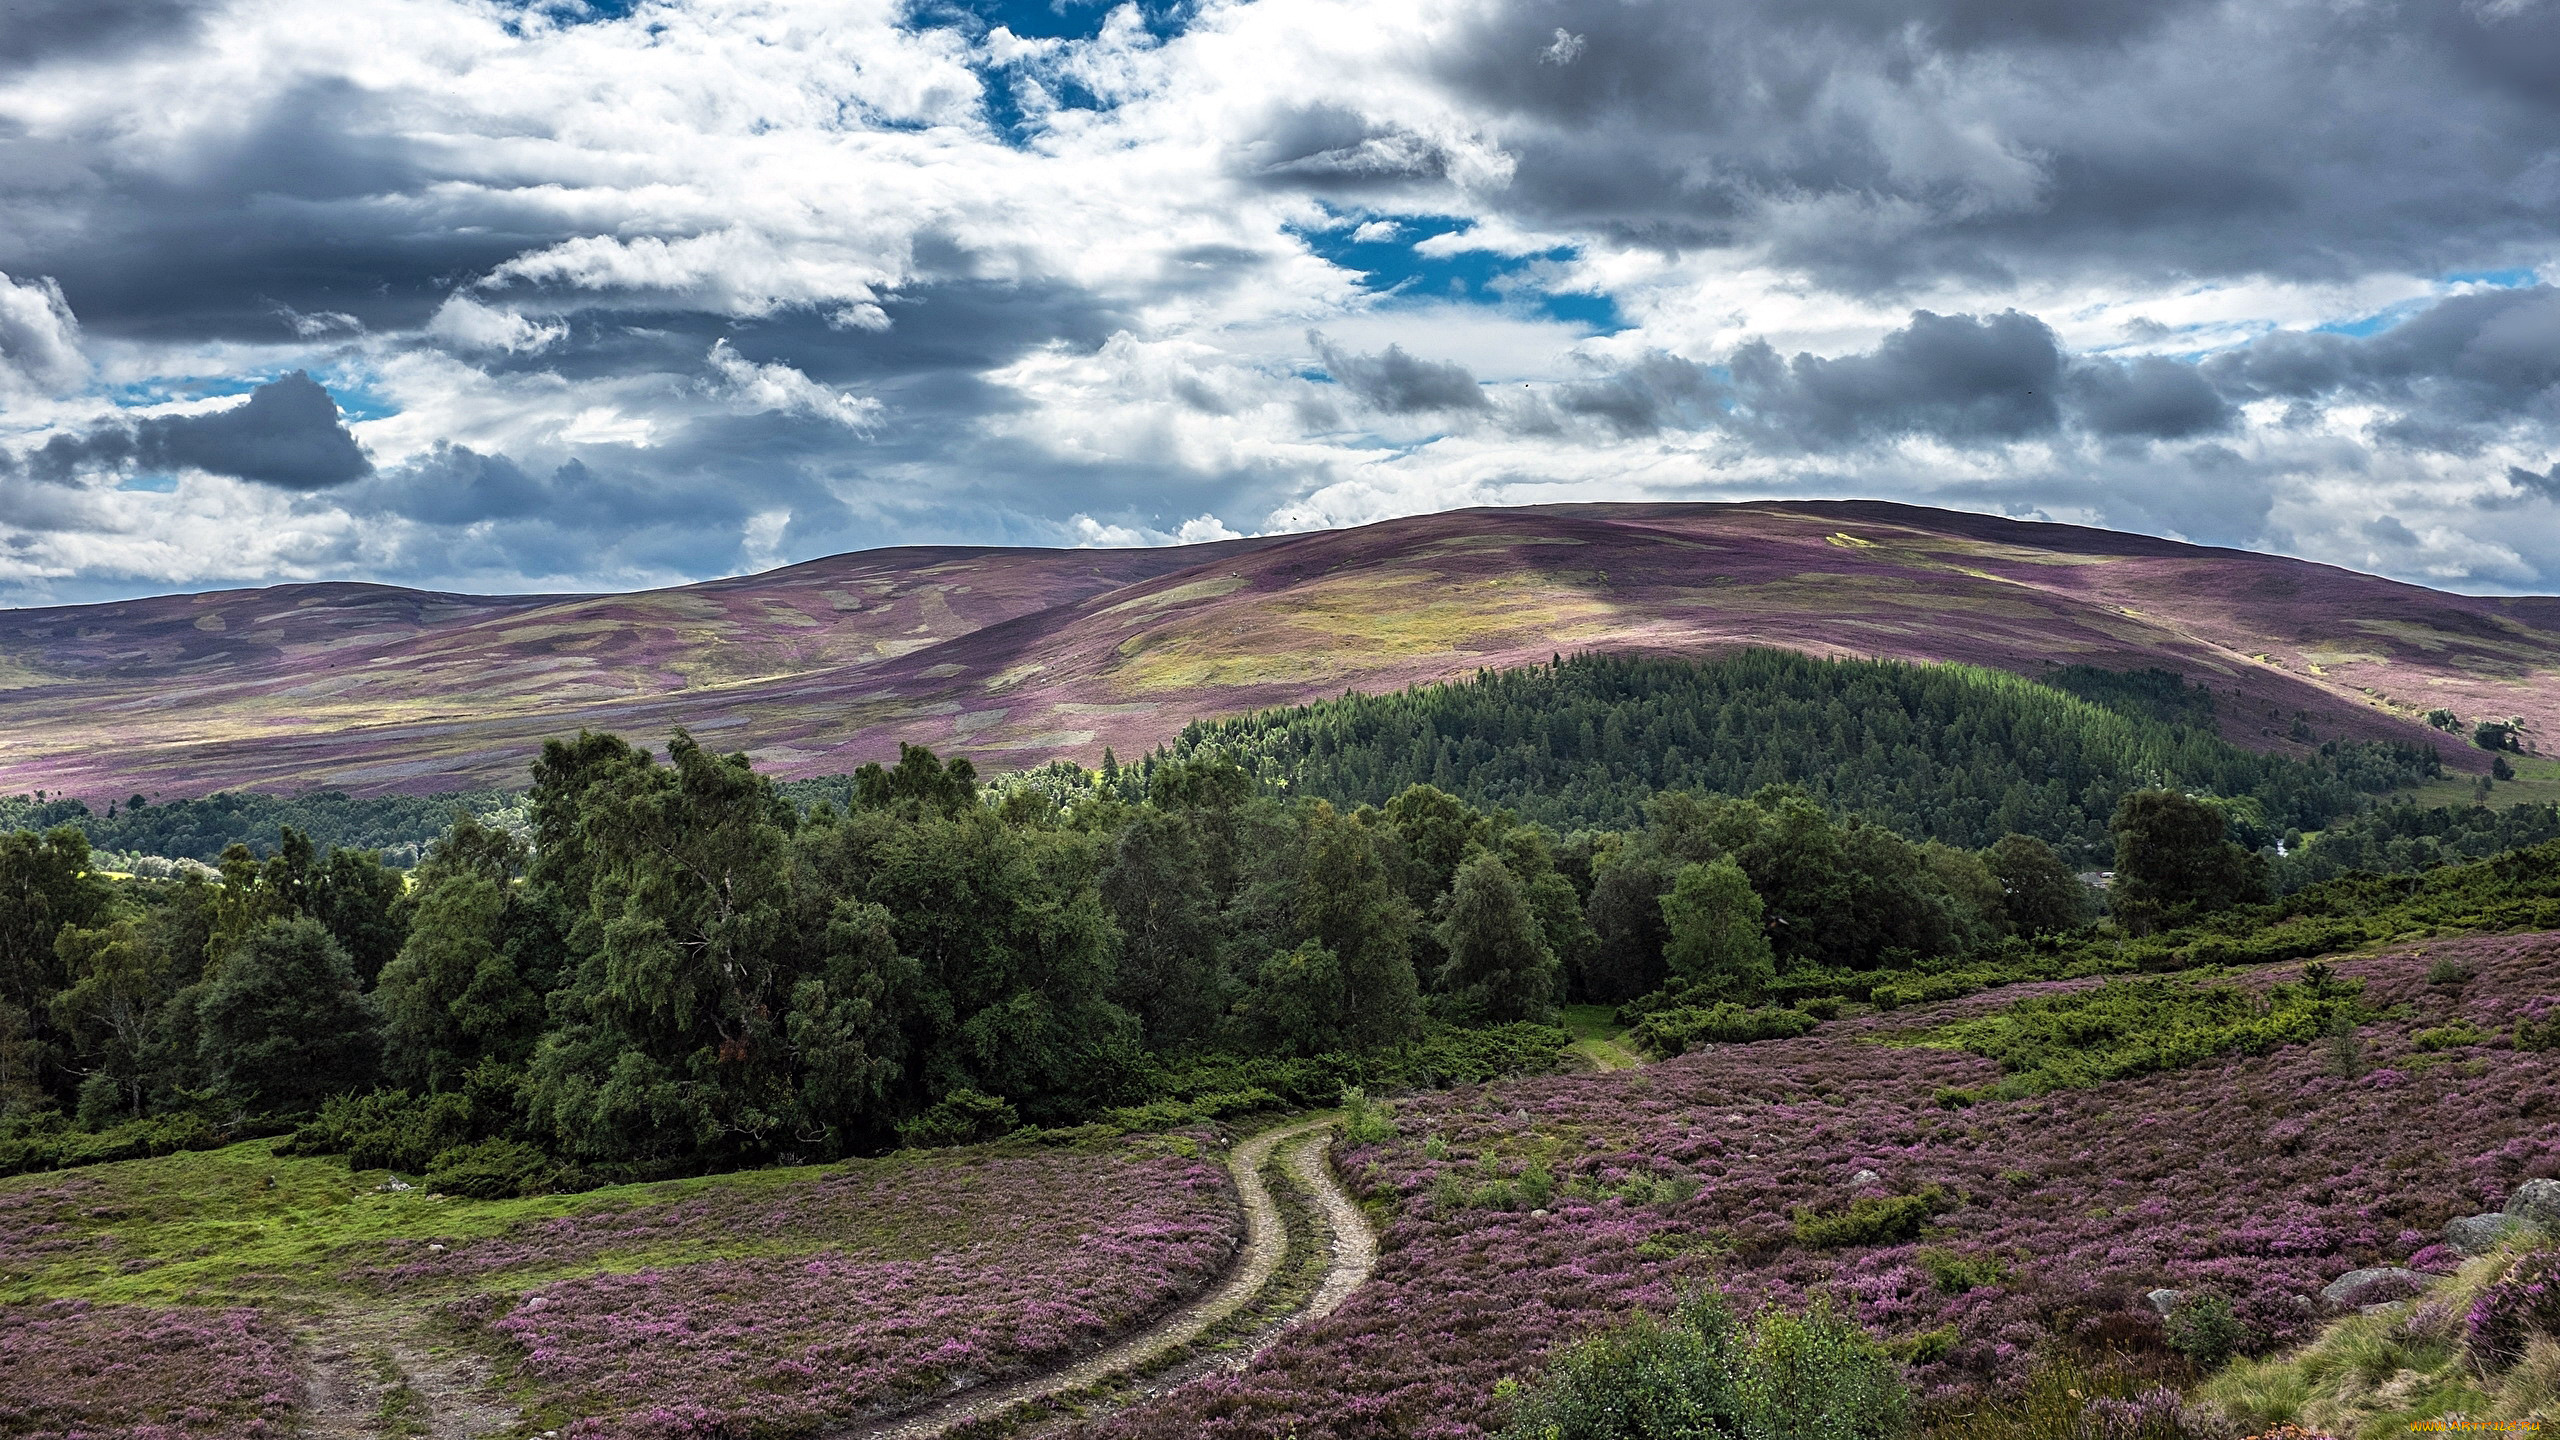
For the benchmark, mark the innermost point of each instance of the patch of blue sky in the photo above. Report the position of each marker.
(2364, 326)
(1069, 20)
(1385, 251)
(1050, 19)
(2513, 279)
(153, 484)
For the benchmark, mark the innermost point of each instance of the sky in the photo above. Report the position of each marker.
(494, 296)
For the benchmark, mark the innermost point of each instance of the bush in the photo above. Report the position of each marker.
(1955, 1274)
(385, 1130)
(1677, 1031)
(493, 1170)
(1871, 1220)
(2451, 974)
(2450, 1037)
(1816, 1376)
(2203, 1329)
(47, 1142)
(2134, 1027)
(960, 1118)
(1365, 1121)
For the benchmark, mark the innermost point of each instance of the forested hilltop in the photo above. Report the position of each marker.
(1940, 752)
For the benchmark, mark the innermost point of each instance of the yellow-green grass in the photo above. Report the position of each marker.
(241, 1225)
(2370, 1376)
(2537, 781)
(1597, 1037)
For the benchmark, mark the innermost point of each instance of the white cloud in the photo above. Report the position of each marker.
(781, 389)
(40, 350)
(467, 324)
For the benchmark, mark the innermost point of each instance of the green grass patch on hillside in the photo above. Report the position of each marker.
(2122, 1028)
(2537, 782)
(244, 1225)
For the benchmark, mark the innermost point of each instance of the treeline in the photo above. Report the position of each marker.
(2401, 839)
(677, 969)
(1939, 752)
(200, 829)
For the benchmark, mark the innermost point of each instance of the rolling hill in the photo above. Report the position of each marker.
(1016, 656)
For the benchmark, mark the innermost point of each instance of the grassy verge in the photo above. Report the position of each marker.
(1598, 1038)
(2377, 1375)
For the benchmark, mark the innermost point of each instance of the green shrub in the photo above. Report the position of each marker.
(1815, 1376)
(1537, 1184)
(960, 1118)
(48, 1142)
(2450, 1037)
(1871, 1220)
(1955, 1274)
(2134, 1027)
(1677, 1031)
(385, 1130)
(2543, 1034)
(2451, 974)
(2203, 1329)
(493, 1170)
(1365, 1121)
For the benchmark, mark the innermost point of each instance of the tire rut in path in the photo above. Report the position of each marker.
(1266, 1246)
(373, 1378)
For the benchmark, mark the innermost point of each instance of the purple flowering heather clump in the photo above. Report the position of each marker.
(1038, 1257)
(2523, 1302)
(2257, 1178)
(129, 1372)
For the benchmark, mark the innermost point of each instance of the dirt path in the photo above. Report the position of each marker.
(1266, 1245)
(373, 1377)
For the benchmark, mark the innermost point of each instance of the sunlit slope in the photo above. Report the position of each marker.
(1018, 656)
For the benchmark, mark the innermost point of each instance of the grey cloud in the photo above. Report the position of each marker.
(2389, 530)
(2148, 397)
(2532, 484)
(35, 32)
(1658, 392)
(288, 434)
(1884, 144)
(2480, 360)
(1953, 376)
(1400, 384)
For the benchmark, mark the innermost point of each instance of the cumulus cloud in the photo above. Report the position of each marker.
(644, 297)
(288, 434)
(1400, 384)
(39, 340)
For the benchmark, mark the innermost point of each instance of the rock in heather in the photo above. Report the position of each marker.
(2537, 1202)
(2476, 1234)
(2164, 1300)
(1864, 1177)
(2358, 1288)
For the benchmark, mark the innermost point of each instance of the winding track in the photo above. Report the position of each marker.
(1266, 1244)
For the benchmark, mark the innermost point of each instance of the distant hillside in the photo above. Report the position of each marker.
(1019, 656)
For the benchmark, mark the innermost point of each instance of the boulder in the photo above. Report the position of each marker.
(2537, 1202)
(2164, 1300)
(2476, 1234)
(2358, 1288)
(1865, 1177)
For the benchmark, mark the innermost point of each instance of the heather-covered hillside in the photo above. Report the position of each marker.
(1522, 1215)
(1015, 657)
